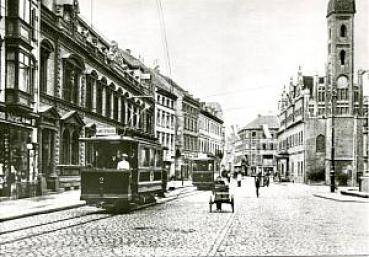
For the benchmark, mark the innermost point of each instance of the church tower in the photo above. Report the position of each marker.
(340, 21)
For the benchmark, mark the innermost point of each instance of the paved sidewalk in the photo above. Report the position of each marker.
(14, 209)
(339, 197)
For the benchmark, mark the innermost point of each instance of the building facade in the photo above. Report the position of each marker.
(190, 150)
(211, 131)
(322, 118)
(82, 85)
(165, 118)
(256, 149)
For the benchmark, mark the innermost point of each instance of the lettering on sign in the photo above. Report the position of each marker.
(106, 131)
(19, 119)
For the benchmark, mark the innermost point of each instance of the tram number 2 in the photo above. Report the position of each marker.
(101, 180)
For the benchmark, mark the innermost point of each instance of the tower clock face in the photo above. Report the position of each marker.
(342, 82)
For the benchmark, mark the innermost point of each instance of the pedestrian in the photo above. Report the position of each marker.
(239, 178)
(257, 183)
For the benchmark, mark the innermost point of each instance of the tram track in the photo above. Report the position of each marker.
(14, 235)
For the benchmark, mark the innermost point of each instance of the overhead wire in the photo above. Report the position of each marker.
(164, 36)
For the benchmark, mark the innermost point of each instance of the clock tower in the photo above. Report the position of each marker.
(340, 19)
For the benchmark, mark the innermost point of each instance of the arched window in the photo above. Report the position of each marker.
(66, 147)
(99, 96)
(46, 50)
(72, 73)
(75, 148)
(320, 144)
(115, 106)
(108, 103)
(342, 57)
(343, 31)
(90, 82)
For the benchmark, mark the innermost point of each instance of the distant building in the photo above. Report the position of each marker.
(211, 131)
(191, 109)
(165, 118)
(256, 150)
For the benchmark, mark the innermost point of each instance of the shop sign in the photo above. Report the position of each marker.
(18, 119)
(106, 131)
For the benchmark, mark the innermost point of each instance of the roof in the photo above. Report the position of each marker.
(341, 6)
(269, 120)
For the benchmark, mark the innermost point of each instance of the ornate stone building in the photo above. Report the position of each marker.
(60, 81)
(322, 118)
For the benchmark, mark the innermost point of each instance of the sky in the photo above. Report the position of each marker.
(239, 53)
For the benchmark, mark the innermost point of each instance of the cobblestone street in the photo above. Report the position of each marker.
(285, 220)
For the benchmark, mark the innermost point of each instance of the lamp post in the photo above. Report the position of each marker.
(332, 172)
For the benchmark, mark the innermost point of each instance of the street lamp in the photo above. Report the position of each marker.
(332, 172)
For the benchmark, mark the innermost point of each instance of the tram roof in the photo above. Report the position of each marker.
(204, 159)
(116, 138)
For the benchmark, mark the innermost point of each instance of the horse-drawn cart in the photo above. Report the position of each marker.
(221, 194)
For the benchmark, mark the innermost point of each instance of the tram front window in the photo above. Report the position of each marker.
(108, 155)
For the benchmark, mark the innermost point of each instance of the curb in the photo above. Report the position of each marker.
(139, 207)
(340, 200)
(42, 212)
(357, 194)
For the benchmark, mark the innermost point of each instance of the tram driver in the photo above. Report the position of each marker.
(123, 164)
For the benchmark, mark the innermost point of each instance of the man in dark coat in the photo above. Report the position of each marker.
(258, 183)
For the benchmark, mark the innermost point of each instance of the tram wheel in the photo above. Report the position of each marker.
(232, 204)
(219, 206)
(121, 206)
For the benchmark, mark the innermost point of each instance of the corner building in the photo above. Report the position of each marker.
(322, 118)
(60, 81)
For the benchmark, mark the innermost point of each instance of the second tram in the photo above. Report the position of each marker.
(205, 170)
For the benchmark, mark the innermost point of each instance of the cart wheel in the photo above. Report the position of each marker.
(219, 206)
(232, 204)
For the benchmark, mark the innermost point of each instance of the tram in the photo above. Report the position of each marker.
(205, 170)
(102, 184)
